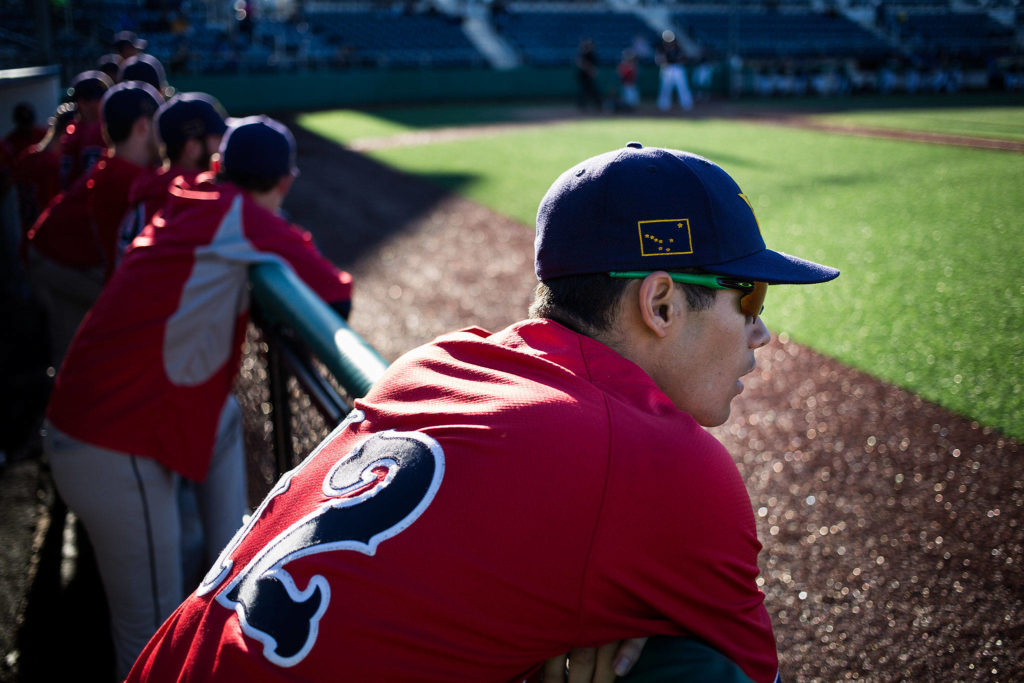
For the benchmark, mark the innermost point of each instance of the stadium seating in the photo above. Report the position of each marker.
(956, 34)
(385, 38)
(776, 34)
(553, 38)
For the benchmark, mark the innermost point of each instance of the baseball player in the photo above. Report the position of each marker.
(146, 68)
(498, 498)
(190, 127)
(672, 59)
(128, 44)
(144, 395)
(83, 143)
(37, 170)
(73, 243)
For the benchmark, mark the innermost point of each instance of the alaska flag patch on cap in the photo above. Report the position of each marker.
(667, 237)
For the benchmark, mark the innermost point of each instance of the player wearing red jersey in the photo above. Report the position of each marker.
(83, 143)
(190, 127)
(499, 498)
(37, 170)
(73, 242)
(144, 395)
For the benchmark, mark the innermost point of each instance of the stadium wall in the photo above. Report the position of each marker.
(285, 92)
(38, 86)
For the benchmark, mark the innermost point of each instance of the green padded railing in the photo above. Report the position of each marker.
(284, 299)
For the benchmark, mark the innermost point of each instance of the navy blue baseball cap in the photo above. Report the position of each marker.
(646, 208)
(190, 115)
(258, 146)
(129, 38)
(89, 85)
(145, 68)
(126, 102)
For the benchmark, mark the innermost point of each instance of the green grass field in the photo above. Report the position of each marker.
(928, 237)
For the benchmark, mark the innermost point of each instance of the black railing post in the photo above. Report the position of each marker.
(280, 409)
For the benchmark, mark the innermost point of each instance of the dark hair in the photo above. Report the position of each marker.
(247, 181)
(587, 303)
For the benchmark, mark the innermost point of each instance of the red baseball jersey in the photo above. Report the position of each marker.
(495, 500)
(37, 178)
(82, 145)
(146, 196)
(20, 140)
(154, 360)
(79, 227)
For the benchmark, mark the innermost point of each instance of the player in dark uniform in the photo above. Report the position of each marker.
(498, 498)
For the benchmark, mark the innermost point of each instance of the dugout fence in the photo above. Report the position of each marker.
(300, 356)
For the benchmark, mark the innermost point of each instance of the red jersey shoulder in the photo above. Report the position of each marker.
(355, 492)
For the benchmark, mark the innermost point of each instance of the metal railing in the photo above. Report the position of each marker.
(299, 327)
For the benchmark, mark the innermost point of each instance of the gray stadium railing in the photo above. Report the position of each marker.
(296, 324)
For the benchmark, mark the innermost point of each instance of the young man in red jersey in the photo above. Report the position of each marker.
(497, 499)
(189, 127)
(73, 243)
(83, 143)
(144, 395)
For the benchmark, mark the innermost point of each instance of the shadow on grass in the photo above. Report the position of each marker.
(342, 208)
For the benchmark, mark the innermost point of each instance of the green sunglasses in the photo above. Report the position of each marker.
(751, 303)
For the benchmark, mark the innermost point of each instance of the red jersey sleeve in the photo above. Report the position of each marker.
(296, 247)
(676, 546)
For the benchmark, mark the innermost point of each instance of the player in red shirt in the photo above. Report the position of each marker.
(497, 499)
(189, 127)
(37, 171)
(144, 395)
(25, 133)
(83, 144)
(73, 243)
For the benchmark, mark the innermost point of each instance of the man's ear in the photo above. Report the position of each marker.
(658, 306)
(284, 185)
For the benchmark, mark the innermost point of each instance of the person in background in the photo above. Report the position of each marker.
(144, 395)
(83, 142)
(630, 96)
(672, 60)
(73, 243)
(127, 44)
(189, 127)
(110, 64)
(145, 68)
(25, 132)
(37, 170)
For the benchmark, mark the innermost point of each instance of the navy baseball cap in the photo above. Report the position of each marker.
(110, 64)
(129, 38)
(647, 208)
(126, 102)
(258, 146)
(89, 85)
(190, 115)
(145, 68)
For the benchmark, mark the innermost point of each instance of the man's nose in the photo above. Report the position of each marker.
(760, 335)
